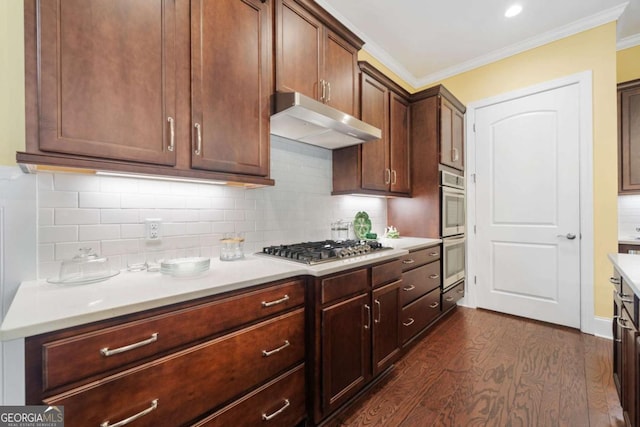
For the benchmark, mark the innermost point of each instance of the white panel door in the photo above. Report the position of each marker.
(528, 206)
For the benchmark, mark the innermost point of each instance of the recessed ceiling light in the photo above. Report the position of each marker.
(513, 11)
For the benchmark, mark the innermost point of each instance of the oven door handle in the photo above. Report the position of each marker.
(448, 241)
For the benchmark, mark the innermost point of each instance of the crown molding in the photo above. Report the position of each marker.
(628, 42)
(570, 29)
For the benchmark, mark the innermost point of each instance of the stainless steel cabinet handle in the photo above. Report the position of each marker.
(266, 353)
(623, 297)
(617, 340)
(266, 417)
(448, 299)
(154, 405)
(455, 155)
(198, 138)
(328, 92)
(106, 352)
(622, 323)
(276, 302)
(460, 291)
(569, 236)
(408, 261)
(323, 93)
(434, 305)
(615, 280)
(409, 322)
(408, 288)
(368, 325)
(378, 319)
(395, 177)
(172, 133)
(434, 276)
(434, 254)
(387, 176)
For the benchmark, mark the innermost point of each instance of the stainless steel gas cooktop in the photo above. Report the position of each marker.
(323, 251)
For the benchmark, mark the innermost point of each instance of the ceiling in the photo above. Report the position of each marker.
(426, 41)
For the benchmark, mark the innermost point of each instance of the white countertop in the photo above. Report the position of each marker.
(629, 240)
(629, 267)
(40, 307)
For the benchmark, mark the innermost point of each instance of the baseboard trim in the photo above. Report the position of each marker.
(602, 327)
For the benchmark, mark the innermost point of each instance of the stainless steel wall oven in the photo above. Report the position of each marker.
(452, 227)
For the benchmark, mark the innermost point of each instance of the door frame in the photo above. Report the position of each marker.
(584, 82)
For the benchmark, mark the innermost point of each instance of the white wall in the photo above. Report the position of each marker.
(108, 213)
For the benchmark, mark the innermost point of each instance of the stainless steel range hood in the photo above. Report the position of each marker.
(304, 119)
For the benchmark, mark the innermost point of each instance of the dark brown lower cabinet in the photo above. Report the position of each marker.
(355, 326)
(630, 369)
(419, 314)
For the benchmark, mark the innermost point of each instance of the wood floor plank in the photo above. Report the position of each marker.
(480, 368)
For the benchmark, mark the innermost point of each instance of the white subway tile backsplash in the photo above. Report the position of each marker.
(66, 216)
(76, 182)
(64, 251)
(56, 234)
(99, 232)
(108, 213)
(119, 216)
(45, 216)
(99, 200)
(57, 199)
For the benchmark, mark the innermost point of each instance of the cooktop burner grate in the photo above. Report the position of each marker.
(323, 251)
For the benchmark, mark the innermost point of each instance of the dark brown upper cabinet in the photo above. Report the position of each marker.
(629, 137)
(451, 135)
(168, 87)
(382, 166)
(316, 55)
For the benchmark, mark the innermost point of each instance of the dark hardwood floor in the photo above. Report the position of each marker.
(480, 368)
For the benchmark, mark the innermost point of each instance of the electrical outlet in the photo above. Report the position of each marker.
(153, 228)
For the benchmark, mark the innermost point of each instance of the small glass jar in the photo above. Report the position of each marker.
(232, 246)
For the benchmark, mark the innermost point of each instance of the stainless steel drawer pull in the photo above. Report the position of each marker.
(394, 180)
(614, 280)
(198, 149)
(434, 305)
(623, 297)
(172, 133)
(448, 299)
(408, 261)
(409, 322)
(460, 291)
(623, 323)
(434, 276)
(368, 325)
(387, 176)
(408, 288)
(106, 352)
(434, 254)
(276, 302)
(154, 405)
(266, 353)
(379, 318)
(266, 417)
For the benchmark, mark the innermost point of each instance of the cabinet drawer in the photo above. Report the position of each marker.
(341, 286)
(629, 301)
(417, 315)
(282, 402)
(156, 334)
(452, 296)
(386, 273)
(193, 381)
(419, 281)
(420, 257)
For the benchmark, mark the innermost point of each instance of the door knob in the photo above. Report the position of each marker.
(569, 236)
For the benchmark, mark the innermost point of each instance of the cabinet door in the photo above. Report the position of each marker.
(346, 350)
(630, 370)
(231, 85)
(376, 174)
(617, 344)
(298, 50)
(629, 134)
(100, 94)
(399, 143)
(340, 71)
(451, 135)
(386, 326)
